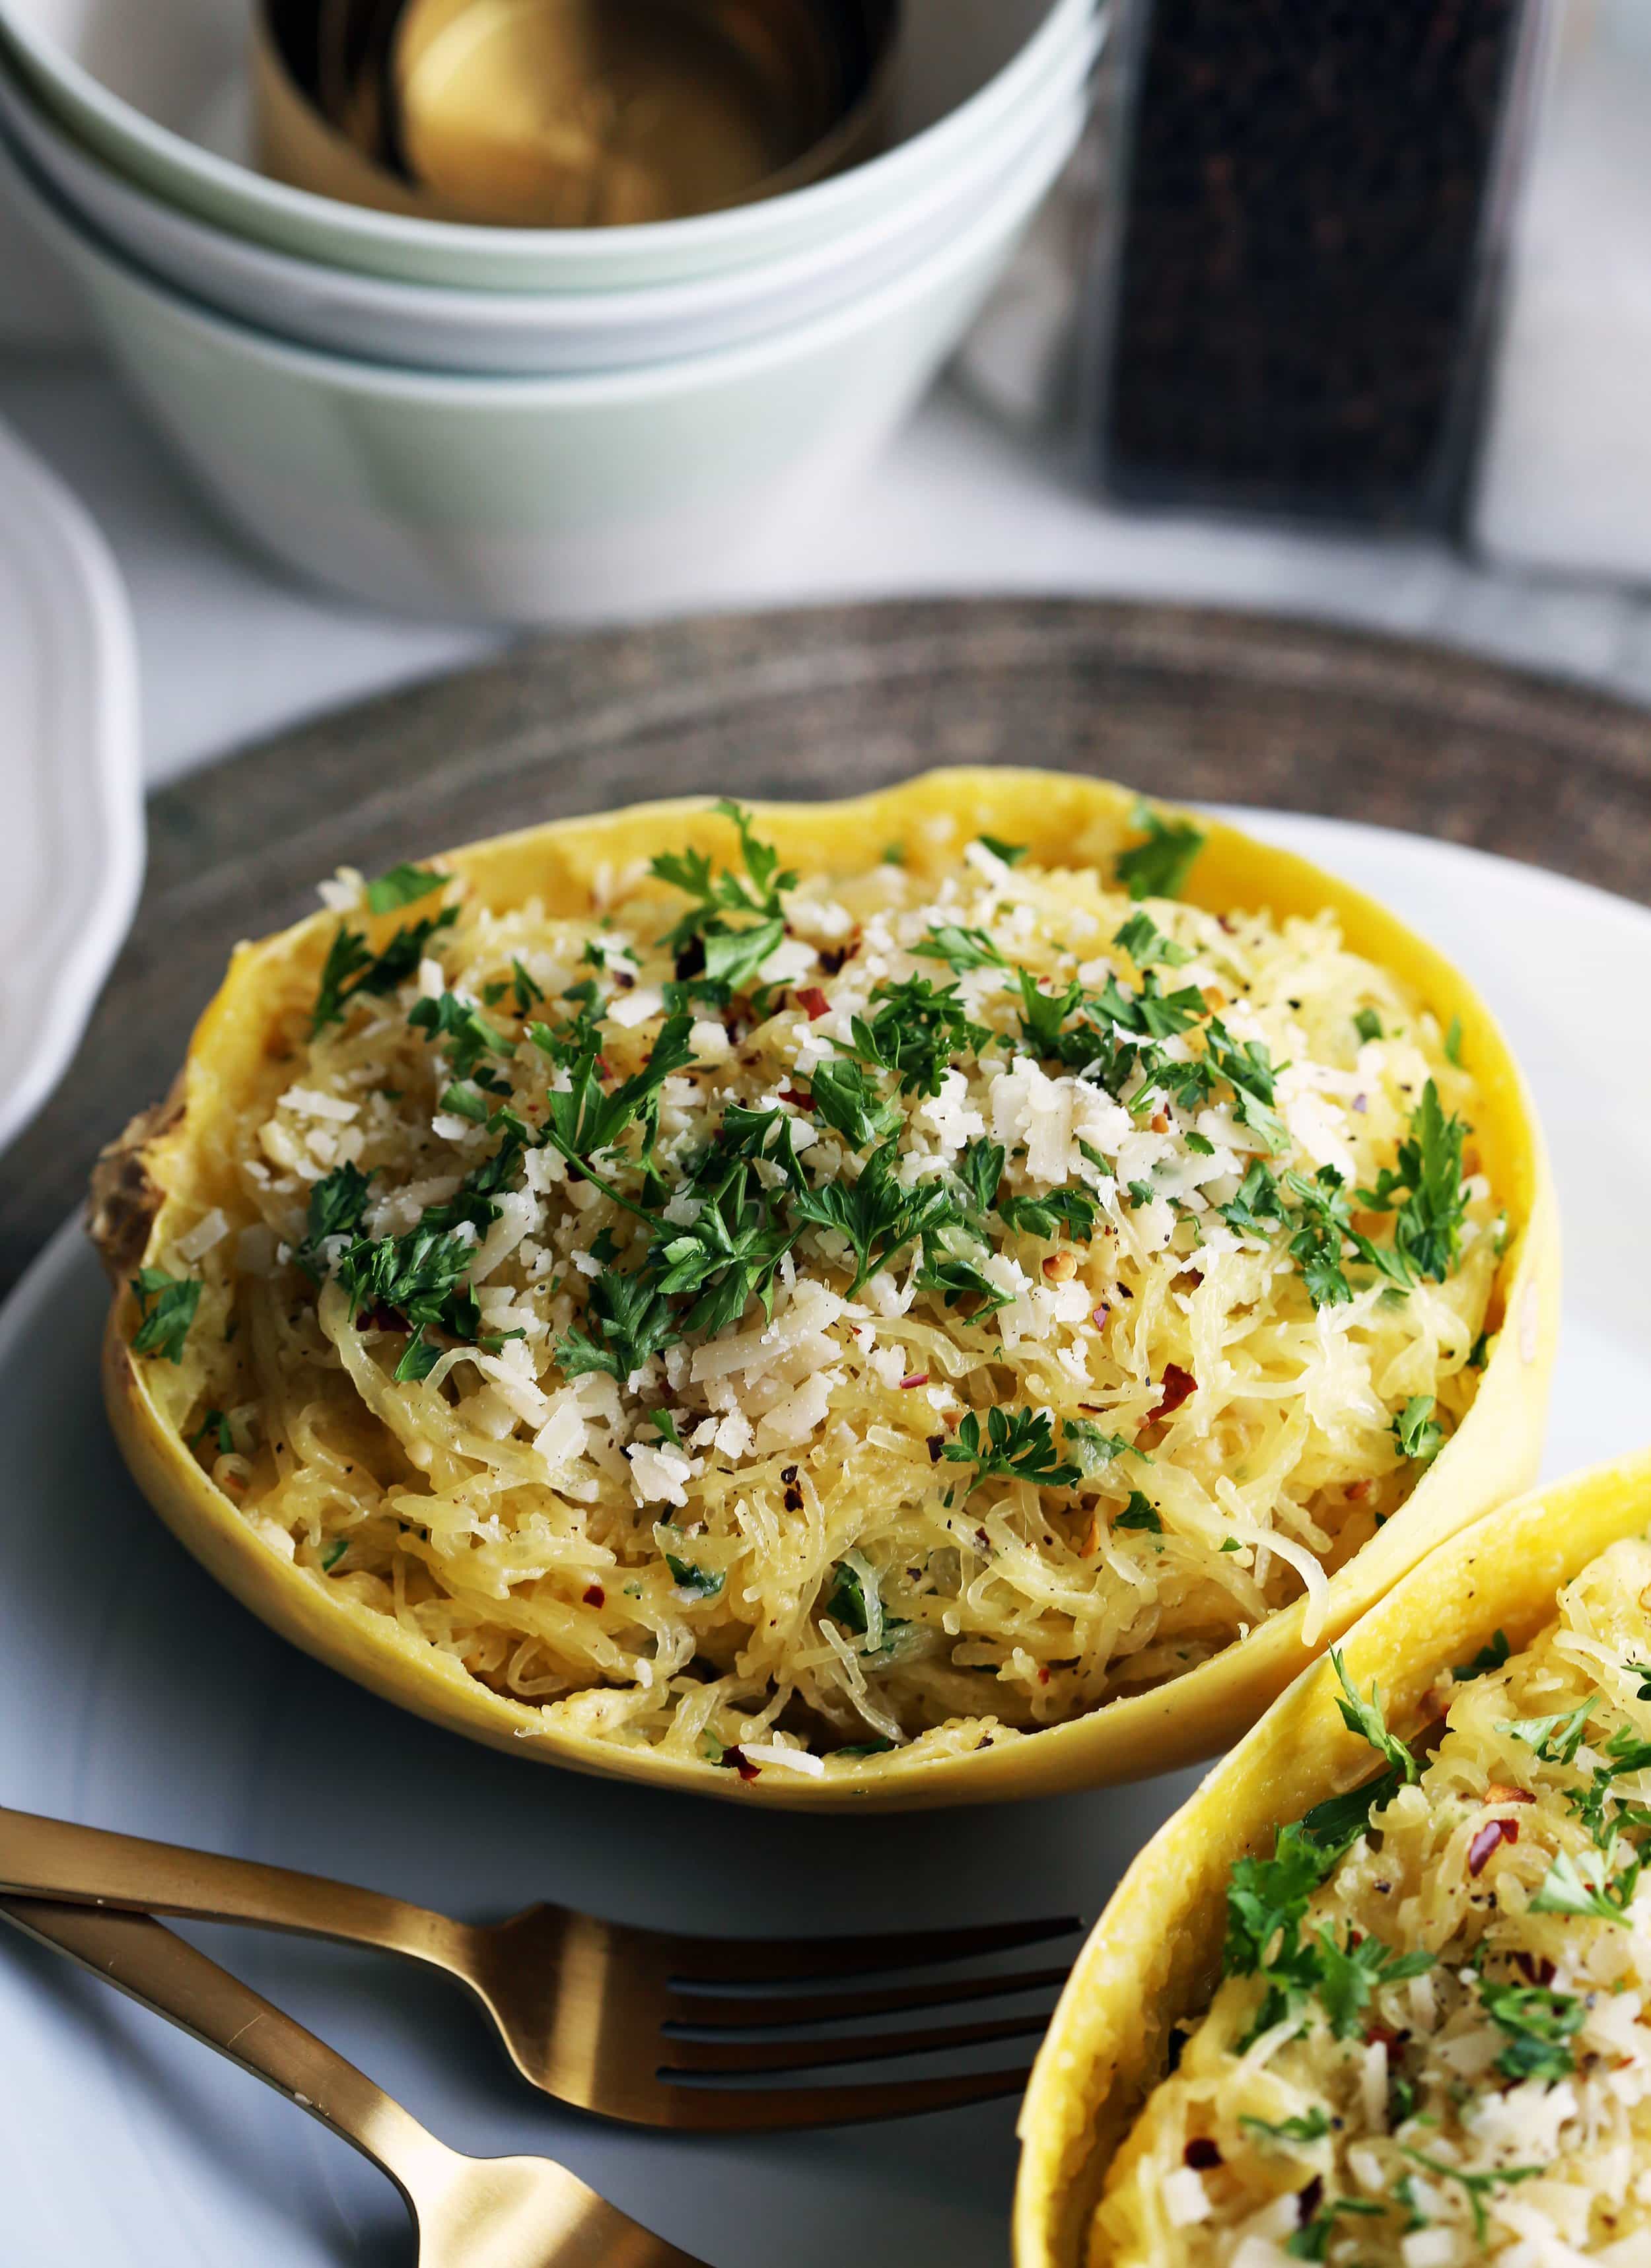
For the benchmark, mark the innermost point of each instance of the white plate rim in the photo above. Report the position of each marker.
(88, 653)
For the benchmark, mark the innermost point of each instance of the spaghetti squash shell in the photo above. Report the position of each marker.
(180, 1157)
(1154, 1955)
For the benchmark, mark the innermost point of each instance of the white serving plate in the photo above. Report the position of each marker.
(154, 87)
(530, 499)
(138, 1695)
(71, 847)
(428, 326)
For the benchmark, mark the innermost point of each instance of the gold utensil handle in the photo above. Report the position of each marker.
(159, 1970)
(88, 1866)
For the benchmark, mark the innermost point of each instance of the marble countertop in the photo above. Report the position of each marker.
(231, 650)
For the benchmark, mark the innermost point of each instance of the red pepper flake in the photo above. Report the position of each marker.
(604, 1066)
(798, 1100)
(937, 1442)
(1383, 2035)
(1309, 2200)
(1042, 1674)
(1178, 1385)
(1203, 2151)
(814, 1001)
(918, 1377)
(742, 1763)
(1099, 1318)
(1494, 1832)
(595, 1596)
(1536, 1968)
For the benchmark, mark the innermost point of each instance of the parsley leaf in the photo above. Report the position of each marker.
(1158, 867)
(1540, 2025)
(1419, 1436)
(1587, 1885)
(401, 886)
(1555, 1739)
(217, 1425)
(1138, 1512)
(846, 1100)
(918, 1031)
(758, 892)
(585, 1120)
(1266, 1904)
(1011, 853)
(1489, 1657)
(418, 1274)
(351, 967)
(1477, 2186)
(1311, 2241)
(691, 1580)
(1018, 1445)
(1248, 1069)
(1365, 1719)
(729, 1254)
(166, 1308)
(1427, 1224)
(1348, 1973)
(338, 1203)
(1336, 1824)
(1257, 1207)
(468, 1034)
(980, 1169)
(1073, 1210)
(633, 1321)
(877, 1214)
(733, 957)
(1367, 1024)
(1312, 2126)
(960, 948)
(1145, 944)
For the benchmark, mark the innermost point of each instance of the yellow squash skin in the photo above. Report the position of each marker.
(1154, 1955)
(1066, 820)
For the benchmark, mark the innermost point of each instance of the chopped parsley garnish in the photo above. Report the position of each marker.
(1158, 867)
(691, 1580)
(1094, 1449)
(1427, 1223)
(1420, 1437)
(418, 1275)
(1018, 1445)
(1138, 1512)
(1311, 2126)
(1145, 944)
(1071, 1210)
(215, 1422)
(1555, 1739)
(1590, 1884)
(333, 1553)
(844, 1097)
(758, 891)
(1540, 2025)
(1011, 853)
(1348, 1973)
(734, 957)
(960, 948)
(728, 1255)
(1453, 1042)
(585, 1121)
(855, 1600)
(1365, 1719)
(918, 1032)
(1367, 1024)
(338, 1203)
(1311, 2241)
(464, 1031)
(877, 1214)
(1478, 2186)
(351, 967)
(1247, 1067)
(633, 1321)
(402, 885)
(1489, 1657)
(166, 1308)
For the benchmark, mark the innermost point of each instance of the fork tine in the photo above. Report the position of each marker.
(724, 1960)
(759, 2012)
(735, 2057)
(753, 2110)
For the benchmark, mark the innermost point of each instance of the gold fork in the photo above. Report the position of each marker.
(470, 2213)
(597, 2014)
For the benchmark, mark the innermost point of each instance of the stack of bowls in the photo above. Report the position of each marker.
(524, 425)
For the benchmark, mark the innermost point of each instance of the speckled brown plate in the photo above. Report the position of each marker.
(1182, 702)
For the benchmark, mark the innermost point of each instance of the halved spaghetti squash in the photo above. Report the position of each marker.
(791, 1298)
(1409, 2024)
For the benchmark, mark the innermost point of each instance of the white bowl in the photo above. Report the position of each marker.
(546, 499)
(136, 79)
(536, 335)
